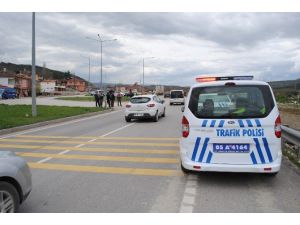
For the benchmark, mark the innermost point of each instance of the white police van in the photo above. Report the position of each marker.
(231, 124)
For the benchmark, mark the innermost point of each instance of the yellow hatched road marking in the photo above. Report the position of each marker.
(102, 158)
(110, 170)
(87, 149)
(104, 138)
(91, 143)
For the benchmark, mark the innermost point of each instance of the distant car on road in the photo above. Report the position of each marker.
(176, 97)
(167, 95)
(15, 181)
(145, 106)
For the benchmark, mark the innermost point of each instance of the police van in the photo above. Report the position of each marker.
(231, 124)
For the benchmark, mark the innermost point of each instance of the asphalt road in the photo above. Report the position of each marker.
(103, 164)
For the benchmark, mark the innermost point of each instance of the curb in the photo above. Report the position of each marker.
(51, 122)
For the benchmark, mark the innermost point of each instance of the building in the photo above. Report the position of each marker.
(23, 85)
(7, 79)
(76, 83)
(159, 89)
(48, 86)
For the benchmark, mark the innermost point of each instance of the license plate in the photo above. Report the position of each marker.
(231, 148)
(138, 114)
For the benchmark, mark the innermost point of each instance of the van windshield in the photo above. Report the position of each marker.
(247, 101)
(176, 94)
(137, 100)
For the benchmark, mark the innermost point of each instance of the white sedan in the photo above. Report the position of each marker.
(145, 106)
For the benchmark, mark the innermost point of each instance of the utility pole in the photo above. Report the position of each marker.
(144, 73)
(33, 86)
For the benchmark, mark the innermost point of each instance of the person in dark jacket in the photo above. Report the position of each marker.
(108, 99)
(101, 97)
(97, 99)
(112, 98)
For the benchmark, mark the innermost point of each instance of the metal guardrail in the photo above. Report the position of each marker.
(291, 136)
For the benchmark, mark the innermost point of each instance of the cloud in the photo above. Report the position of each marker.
(184, 45)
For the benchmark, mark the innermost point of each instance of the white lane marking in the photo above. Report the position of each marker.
(80, 145)
(64, 152)
(44, 160)
(57, 125)
(188, 200)
(116, 130)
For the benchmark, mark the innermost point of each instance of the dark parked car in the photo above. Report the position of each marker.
(9, 93)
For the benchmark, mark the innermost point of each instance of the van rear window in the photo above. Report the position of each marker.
(247, 101)
(176, 94)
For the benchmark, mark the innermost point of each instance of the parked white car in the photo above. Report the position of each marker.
(15, 181)
(144, 107)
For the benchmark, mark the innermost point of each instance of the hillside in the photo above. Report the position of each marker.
(47, 73)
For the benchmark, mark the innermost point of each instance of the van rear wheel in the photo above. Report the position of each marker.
(184, 170)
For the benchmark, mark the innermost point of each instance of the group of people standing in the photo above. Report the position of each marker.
(110, 99)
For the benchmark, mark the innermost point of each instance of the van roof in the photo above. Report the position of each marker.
(237, 82)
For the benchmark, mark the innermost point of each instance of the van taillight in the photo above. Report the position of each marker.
(185, 127)
(277, 127)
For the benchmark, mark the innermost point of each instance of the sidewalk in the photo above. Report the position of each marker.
(52, 101)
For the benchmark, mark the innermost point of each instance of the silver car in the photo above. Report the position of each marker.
(15, 181)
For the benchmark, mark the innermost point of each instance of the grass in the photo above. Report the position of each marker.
(79, 99)
(292, 156)
(18, 115)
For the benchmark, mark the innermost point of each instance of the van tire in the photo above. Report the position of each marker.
(271, 174)
(127, 119)
(171, 103)
(184, 170)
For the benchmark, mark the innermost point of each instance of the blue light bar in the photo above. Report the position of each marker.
(248, 77)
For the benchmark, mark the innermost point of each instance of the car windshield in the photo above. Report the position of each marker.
(137, 100)
(251, 101)
(176, 94)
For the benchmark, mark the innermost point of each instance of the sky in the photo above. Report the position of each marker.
(176, 47)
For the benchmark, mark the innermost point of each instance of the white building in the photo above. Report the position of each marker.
(47, 86)
(7, 79)
(159, 89)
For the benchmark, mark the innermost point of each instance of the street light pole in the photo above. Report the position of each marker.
(143, 76)
(144, 72)
(33, 86)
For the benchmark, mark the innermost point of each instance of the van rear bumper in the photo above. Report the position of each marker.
(257, 168)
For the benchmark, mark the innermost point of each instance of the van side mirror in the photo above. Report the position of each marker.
(182, 109)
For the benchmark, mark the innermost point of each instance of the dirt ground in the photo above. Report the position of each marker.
(290, 117)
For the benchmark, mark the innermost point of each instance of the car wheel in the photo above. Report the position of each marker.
(184, 170)
(171, 103)
(164, 114)
(127, 119)
(9, 198)
(155, 119)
